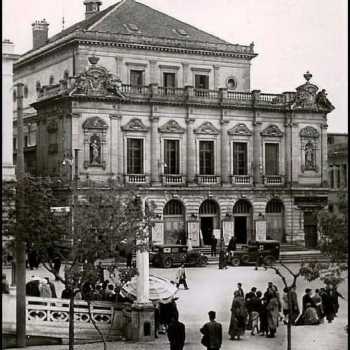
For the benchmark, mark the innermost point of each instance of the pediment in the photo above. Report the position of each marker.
(206, 128)
(171, 126)
(309, 132)
(135, 125)
(272, 131)
(95, 123)
(240, 130)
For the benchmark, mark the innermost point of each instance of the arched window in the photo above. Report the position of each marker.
(173, 207)
(51, 80)
(209, 207)
(242, 207)
(274, 206)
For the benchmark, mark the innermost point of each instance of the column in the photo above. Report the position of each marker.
(216, 77)
(186, 74)
(142, 284)
(155, 151)
(225, 149)
(113, 144)
(153, 72)
(324, 156)
(257, 161)
(288, 148)
(295, 140)
(191, 152)
(119, 67)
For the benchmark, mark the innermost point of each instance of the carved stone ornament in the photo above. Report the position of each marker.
(305, 97)
(206, 128)
(135, 125)
(171, 126)
(95, 123)
(240, 130)
(309, 132)
(272, 131)
(97, 81)
(52, 126)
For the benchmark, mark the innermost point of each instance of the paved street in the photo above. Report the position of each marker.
(211, 288)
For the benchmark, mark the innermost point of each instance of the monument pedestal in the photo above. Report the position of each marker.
(142, 322)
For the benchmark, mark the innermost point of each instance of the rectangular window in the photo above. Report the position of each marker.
(14, 143)
(206, 157)
(271, 159)
(169, 80)
(240, 158)
(201, 81)
(135, 156)
(338, 177)
(331, 178)
(26, 141)
(171, 157)
(136, 77)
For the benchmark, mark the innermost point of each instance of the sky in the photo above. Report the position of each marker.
(290, 36)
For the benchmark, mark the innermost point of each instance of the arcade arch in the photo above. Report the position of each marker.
(243, 221)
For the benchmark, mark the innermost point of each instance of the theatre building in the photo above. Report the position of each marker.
(163, 108)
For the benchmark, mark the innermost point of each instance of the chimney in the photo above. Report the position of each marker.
(40, 33)
(91, 7)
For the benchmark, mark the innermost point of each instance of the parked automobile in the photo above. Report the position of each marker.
(248, 254)
(169, 255)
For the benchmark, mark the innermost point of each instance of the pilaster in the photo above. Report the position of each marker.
(153, 72)
(216, 77)
(257, 161)
(186, 74)
(225, 148)
(191, 152)
(295, 140)
(155, 149)
(288, 147)
(119, 67)
(115, 150)
(324, 156)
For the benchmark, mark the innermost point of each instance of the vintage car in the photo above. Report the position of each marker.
(169, 255)
(269, 251)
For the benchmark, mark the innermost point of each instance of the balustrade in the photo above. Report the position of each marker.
(136, 178)
(273, 179)
(173, 179)
(208, 179)
(241, 179)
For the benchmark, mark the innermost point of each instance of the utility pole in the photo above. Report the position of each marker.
(20, 244)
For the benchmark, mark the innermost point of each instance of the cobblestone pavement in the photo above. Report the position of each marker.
(211, 288)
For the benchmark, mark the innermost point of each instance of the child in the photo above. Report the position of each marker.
(255, 322)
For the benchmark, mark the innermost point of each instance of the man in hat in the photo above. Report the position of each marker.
(176, 333)
(212, 333)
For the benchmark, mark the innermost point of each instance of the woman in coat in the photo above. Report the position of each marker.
(272, 314)
(238, 317)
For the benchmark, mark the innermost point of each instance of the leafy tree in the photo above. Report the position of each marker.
(101, 218)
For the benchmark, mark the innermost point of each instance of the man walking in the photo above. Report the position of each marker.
(212, 333)
(181, 277)
(240, 290)
(176, 334)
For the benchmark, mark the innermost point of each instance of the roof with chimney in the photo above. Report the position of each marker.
(132, 22)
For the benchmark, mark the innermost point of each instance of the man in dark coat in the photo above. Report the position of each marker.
(307, 299)
(52, 288)
(232, 244)
(250, 301)
(213, 244)
(212, 333)
(176, 334)
(32, 287)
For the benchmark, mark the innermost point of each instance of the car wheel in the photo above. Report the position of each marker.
(269, 260)
(167, 263)
(245, 259)
(235, 261)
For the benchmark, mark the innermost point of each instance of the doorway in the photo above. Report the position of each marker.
(207, 226)
(241, 229)
(310, 229)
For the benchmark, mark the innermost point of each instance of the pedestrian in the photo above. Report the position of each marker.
(52, 288)
(5, 288)
(156, 319)
(212, 333)
(109, 294)
(336, 299)
(66, 293)
(316, 298)
(213, 242)
(238, 317)
(285, 305)
(181, 277)
(232, 244)
(260, 260)
(98, 294)
(250, 302)
(294, 311)
(272, 308)
(44, 289)
(240, 290)
(56, 266)
(167, 311)
(176, 334)
(307, 299)
(32, 287)
(263, 329)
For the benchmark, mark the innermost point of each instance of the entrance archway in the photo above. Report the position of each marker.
(174, 222)
(209, 214)
(275, 220)
(242, 216)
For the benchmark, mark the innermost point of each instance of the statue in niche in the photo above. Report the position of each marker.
(95, 150)
(309, 157)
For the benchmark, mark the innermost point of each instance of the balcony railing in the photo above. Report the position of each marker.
(170, 179)
(241, 179)
(136, 179)
(170, 91)
(208, 179)
(209, 94)
(273, 179)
